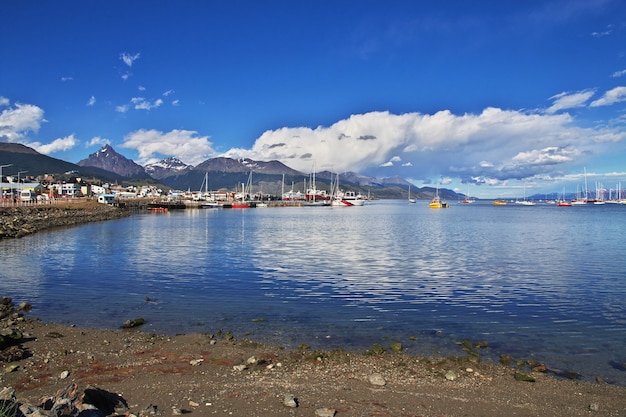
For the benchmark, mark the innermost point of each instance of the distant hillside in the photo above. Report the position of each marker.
(108, 159)
(24, 158)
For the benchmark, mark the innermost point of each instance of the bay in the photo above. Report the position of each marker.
(544, 283)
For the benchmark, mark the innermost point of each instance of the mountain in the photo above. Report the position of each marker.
(274, 177)
(166, 168)
(246, 165)
(365, 181)
(24, 159)
(109, 160)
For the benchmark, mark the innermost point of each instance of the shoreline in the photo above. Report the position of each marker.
(20, 221)
(218, 374)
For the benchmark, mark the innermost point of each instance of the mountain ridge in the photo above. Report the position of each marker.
(270, 177)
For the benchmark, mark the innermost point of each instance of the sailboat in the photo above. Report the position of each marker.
(562, 201)
(525, 202)
(315, 197)
(436, 202)
(468, 199)
(207, 198)
(411, 200)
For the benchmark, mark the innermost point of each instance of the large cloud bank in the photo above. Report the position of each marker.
(497, 144)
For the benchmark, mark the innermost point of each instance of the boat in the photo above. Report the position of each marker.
(411, 200)
(351, 198)
(315, 197)
(525, 202)
(207, 200)
(341, 198)
(563, 202)
(499, 202)
(158, 209)
(437, 202)
(468, 199)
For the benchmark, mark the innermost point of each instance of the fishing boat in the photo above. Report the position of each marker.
(437, 202)
(315, 197)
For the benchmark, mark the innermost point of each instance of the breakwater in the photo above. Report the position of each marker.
(17, 222)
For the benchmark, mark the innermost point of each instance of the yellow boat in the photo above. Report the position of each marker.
(437, 203)
(499, 203)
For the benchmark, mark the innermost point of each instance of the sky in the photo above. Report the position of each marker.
(493, 98)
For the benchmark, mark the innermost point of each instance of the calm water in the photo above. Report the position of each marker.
(544, 283)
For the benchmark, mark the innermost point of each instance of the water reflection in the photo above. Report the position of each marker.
(539, 279)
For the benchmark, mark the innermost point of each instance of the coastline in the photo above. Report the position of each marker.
(19, 221)
(204, 374)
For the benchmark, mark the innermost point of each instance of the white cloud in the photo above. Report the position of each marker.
(126, 76)
(391, 162)
(176, 103)
(168, 92)
(141, 88)
(59, 144)
(565, 100)
(16, 122)
(92, 101)
(494, 144)
(141, 103)
(606, 32)
(4, 101)
(618, 74)
(615, 95)
(153, 145)
(67, 79)
(129, 59)
(550, 155)
(97, 141)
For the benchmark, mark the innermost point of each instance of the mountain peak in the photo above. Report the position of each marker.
(108, 159)
(167, 167)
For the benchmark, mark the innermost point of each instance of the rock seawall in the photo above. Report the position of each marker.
(17, 222)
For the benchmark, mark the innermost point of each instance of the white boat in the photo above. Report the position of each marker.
(525, 202)
(468, 199)
(207, 200)
(411, 200)
(350, 198)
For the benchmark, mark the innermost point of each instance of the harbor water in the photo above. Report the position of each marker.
(540, 283)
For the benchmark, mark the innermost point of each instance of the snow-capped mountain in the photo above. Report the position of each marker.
(167, 167)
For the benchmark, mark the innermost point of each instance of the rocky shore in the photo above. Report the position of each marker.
(52, 370)
(16, 222)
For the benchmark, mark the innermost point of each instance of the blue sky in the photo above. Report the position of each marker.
(489, 96)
